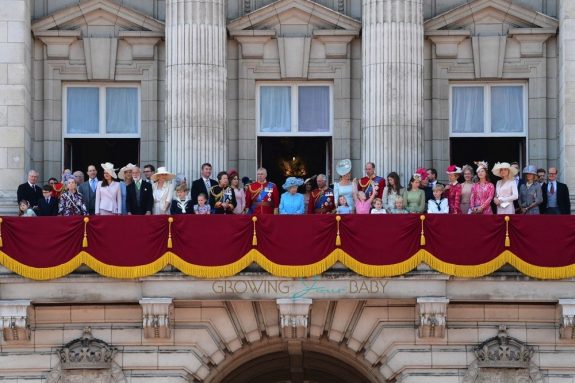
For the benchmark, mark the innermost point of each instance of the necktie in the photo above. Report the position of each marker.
(138, 185)
(208, 185)
(93, 184)
(552, 191)
(47, 201)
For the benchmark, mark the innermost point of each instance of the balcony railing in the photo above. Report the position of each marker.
(288, 246)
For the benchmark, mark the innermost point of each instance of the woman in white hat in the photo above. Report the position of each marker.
(345, 187)
(506, 188)
(125, 174)
(108, 193)
(530, 194)
(163, 190)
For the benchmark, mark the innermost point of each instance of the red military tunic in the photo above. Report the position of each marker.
(262, 198)
(366, 185)
(321, 201)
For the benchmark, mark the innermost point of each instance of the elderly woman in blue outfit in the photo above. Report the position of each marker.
(291, 201)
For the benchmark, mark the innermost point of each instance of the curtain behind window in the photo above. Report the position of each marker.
(275, 109)
(82, 109)
(507, 109)
(467, 109)
(121, 110)
(313, 109)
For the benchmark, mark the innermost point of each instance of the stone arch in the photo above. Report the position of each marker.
(277, 360)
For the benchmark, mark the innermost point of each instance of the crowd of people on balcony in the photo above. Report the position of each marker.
(160, 192)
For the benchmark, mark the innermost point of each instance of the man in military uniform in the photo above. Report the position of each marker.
(262, 196)
(321, 200)
(371, 182)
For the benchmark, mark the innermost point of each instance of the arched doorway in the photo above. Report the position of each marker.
(295, 361)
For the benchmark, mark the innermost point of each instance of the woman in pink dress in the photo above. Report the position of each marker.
(506, 188)
(108, 193)
(482, 192)
(234, 178)
(453, 190)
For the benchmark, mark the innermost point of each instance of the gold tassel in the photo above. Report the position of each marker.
(422, 238)
(507, 240)
(337, 237)
(255, 236)
(85, 240)
(170, 220)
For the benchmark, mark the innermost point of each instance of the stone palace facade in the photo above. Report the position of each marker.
(293, 85)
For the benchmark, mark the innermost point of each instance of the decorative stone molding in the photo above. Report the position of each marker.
(503, 351)
(157, 317)
(488, 55)
(335, 42)
(86, 353)
(531, 40)
(142, 43)
(294, 315)
(567, 329)
(432, 316)
(447, 42)
(14, 320)
(58, 43)
(253, 42)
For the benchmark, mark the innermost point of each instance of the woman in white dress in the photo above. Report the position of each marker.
(506, 188)
(108, 193)
(163, 190)
(345, 187)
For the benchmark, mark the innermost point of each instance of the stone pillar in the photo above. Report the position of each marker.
(392, 128)
(196, 78)
(15, 99)
(566, 149)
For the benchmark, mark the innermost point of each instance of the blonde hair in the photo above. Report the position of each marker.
(439, 187)
(181, 188)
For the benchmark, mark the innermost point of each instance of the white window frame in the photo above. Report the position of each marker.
(487, 109)
(102, 110)
(294, 109)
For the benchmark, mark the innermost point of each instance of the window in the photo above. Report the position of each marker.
(492, 109)
(111, 110)
(294, 109)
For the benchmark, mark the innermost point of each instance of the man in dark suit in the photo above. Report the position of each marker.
(29, 191)
(88, 189)
(47, 205)
(202, 184)
(139, 195)
(555, 195)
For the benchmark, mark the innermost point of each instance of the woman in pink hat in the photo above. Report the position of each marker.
(453, 190)
(482, 192)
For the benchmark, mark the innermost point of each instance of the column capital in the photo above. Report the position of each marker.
(157, 316)
(294, 317)
(14, 320)
(432, 316)
(567, 325)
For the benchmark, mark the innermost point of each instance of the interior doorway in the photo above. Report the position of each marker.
(81, 152)
(300, 157)
(493, 149)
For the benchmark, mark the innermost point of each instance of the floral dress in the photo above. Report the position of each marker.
(481, 196)
(71, 204)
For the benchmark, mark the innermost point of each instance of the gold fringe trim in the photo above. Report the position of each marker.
(337, 237)
(422, 238)
(1, 242)
(507, 240)
(170, 221)
(85, 239)
(255, 236)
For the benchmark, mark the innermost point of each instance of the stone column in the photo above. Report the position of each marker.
(15, 99)
(566, 149)
(392, 129)
(196, 78)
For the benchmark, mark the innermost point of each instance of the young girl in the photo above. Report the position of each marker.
(362, 204)
(398, 209)
(378, 207)
(202, 207)
(181, 204)
(438, 205)
(342, 206)
(24, 209)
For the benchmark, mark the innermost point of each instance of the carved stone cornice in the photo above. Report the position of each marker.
(503, 351)
(86, 352)
(567, 326)
(14, 320)
(294, 317)
(156, 317)
(432, 316)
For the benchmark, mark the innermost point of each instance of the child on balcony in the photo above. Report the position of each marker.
(378, 207)
(362, 203)
(399, 208)
(181, 204)
(24, 209)
(202, 207)
(438, 205)
(342, 206)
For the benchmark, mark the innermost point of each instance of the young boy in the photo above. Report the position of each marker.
(47, 205)
(438, 205)
(378, 207)
(181, 204)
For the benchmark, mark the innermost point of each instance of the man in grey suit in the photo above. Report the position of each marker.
(88, 189)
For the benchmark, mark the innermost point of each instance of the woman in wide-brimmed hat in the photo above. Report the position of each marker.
(291, 201)
(162, 190)
(530, 194)
(125, 174)
(108, 193)
(345, 187)
(506, 189)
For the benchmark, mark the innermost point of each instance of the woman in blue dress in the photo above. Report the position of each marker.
(291, 201)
